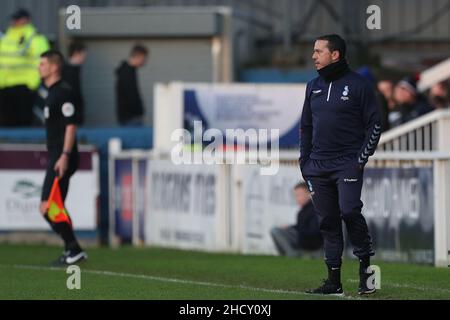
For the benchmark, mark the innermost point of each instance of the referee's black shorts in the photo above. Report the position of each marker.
(53, 156)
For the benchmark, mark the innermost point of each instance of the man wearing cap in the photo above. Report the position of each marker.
(410, 104)
(20, 50)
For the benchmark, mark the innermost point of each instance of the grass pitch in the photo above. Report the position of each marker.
(155, 273)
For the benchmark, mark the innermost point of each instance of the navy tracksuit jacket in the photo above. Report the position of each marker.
(340, 129)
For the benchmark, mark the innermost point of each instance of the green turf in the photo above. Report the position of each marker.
(153, 273)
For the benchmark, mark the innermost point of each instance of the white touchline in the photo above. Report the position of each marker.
(211, 284)
(407, 286)
(164, 279)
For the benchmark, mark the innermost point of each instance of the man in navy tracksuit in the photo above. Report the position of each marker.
(340, 129)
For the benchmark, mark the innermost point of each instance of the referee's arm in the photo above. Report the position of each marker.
(69, 140)
(69, 111)
(69, 137)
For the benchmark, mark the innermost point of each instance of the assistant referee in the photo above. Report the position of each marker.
(61, 116)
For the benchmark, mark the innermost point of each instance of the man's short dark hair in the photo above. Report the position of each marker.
(54, 57)
(335, 43)
(75, 47)
(139, 49)
(301, 185)
(20, 13)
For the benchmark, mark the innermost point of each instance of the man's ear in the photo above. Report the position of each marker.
(335, 55)
(52, 67)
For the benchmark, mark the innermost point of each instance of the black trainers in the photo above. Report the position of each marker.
(70, 257)
(75, 257)
(364, 286)
(328, 288)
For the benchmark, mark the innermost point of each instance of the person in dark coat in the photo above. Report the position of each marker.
(410, 103)
(305, 235)
(130, 109)
(339, 130)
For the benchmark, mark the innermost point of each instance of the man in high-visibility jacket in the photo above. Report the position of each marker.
(20, 50)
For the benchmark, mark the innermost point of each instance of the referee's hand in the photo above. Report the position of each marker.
(61, 165)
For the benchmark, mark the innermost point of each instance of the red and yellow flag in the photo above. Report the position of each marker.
(55, 206)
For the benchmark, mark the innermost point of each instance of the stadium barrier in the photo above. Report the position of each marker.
(22, 171)
(126, 187)
(130, 137)
(424, 142)
(232, 207)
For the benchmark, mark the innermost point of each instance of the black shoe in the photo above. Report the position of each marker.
(70, 257)
(75, 257)
(328, 288)
(364, 287)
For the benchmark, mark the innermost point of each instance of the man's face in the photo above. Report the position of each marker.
(403, 95)
(322, 55)
(438, 90)
(46, 69)
(140, 60)
(302, 196)
(20, 22)
(386, 88)
(438, 96)
(79, 57)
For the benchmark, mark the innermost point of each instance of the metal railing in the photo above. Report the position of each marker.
(430, 132)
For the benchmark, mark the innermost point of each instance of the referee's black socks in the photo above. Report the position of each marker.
(65, 230)
(364, 263)
(334, 275)
(50, 222)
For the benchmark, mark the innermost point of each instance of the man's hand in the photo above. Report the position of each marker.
(61, 165)
(43, 207)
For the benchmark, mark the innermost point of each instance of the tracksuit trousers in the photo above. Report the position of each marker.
(335, 186)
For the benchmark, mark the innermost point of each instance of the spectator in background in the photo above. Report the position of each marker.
(438, 96)
(386, 88)
(130, 110)
(382, 102)
(303, 236)
(385, 94)
(410, 104)
(71, 74)
(20, 49)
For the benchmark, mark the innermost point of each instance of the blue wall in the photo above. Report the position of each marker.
(277, 75)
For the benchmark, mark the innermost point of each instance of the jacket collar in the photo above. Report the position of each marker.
(334, 71)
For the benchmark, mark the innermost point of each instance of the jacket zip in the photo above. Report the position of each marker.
(329, 90)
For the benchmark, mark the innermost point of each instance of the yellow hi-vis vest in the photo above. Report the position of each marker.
(20, 51)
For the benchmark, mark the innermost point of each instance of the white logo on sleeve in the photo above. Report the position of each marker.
(68, 109)
(46, 112)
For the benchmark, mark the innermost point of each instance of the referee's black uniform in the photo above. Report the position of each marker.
(60, 111)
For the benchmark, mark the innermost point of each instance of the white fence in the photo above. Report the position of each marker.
(430, 132)
(425, 142)
(22, 172)
(231, 207)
